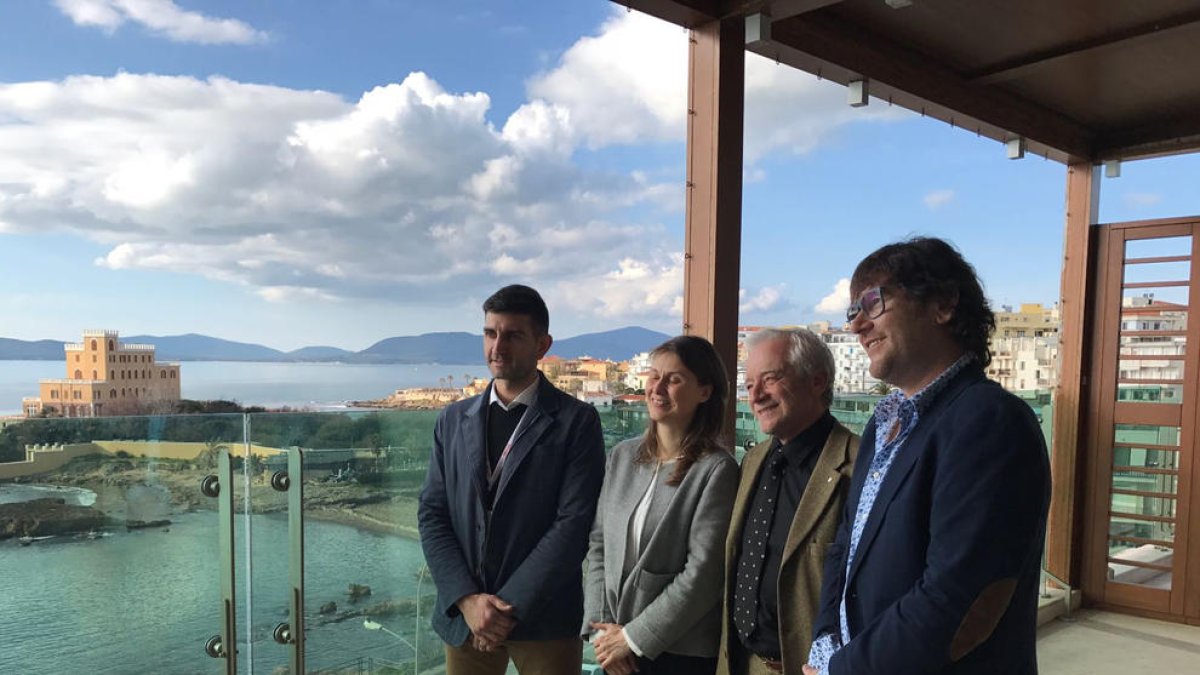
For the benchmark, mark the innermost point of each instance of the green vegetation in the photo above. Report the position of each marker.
(404, 436)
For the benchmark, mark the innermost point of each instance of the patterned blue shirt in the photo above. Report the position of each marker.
(895, 417)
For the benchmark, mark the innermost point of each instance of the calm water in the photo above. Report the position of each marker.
(299, 385)
(145, 602)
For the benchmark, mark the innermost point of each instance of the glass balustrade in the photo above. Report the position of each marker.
(112, 553)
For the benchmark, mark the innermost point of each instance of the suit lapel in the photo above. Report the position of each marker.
(906, 457)
(751, 466)
(913, 448)
(822, 488)
(541, 418)
(474, 440)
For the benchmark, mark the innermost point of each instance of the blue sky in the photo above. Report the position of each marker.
(338, 172)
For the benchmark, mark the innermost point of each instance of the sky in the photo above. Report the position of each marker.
(336, 172)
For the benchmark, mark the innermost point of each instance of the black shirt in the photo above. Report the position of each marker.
(800, 458)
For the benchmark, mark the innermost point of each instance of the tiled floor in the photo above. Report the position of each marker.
(1100, 643)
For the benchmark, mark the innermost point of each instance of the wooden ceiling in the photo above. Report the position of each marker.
(1077, 79)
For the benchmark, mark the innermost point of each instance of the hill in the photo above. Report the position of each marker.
(22, 350)
(319, 353)
(618, 345)
(425, 348)
(447, 348)
(194, 347)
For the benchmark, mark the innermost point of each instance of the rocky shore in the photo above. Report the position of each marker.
(49, 517)
(133, 493)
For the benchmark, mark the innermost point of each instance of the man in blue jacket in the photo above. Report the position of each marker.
(937, 561)
(508, 503)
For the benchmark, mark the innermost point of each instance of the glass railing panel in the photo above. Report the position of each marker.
(108, 546)
(367, 589)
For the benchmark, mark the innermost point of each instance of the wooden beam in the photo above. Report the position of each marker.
(1018, 66)
(1168, 135)
(1069, 445)
(712, 247)
(686, 13)
(776, 9)
(827, 45)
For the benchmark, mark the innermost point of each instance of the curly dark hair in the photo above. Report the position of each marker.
(932, 269)
(706, 430)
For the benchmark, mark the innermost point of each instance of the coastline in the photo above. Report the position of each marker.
(368, 523)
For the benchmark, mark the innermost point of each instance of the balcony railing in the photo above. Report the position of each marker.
(112, 553)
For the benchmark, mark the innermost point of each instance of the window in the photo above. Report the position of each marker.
(77, 358)
(172, 374)
(95, 375)
(93, 358)
(112, 393)
(93, 345)
(54, 394)
(162, 374)
(76, 394)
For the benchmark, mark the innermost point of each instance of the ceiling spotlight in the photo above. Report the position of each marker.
(1015, 148)
(899, 4)
(1112, 168)
(758, 28)
(856, 93)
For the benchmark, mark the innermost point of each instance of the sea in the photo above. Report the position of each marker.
(313, 386)
(145, 601)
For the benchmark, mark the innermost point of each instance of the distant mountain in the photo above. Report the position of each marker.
(193, 347)
(456, 348)
(445, 348)
(22, 350)
(618, 345)
(320, 353)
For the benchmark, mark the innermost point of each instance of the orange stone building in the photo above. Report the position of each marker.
(105, 377)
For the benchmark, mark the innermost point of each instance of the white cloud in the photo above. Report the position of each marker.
(937, 199)
(162, 17)
(767, 298)
(837, 301)
(636, 288)
(1136, 200)
(628, 84)
(410, 192)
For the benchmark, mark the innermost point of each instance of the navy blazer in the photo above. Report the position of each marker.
(946, 573)
(537, 536)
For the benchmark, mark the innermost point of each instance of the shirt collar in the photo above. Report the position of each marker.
(812, 438)
(890, 405)
(526, 397)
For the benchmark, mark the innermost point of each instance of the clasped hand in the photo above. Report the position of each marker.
(489, 618)
(612, 650)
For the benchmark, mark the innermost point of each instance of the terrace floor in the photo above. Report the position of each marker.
(1099, 643)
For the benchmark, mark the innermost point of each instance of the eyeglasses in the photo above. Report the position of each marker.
(870, 303)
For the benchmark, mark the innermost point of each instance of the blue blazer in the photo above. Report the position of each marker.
(946, 574)
(543, 511)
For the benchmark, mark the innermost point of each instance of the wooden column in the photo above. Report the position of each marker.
(712, 247)
(1068, 454)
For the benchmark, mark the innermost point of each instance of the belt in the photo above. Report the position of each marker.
(773, 665)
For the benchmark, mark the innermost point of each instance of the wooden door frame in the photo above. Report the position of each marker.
(1182, 602)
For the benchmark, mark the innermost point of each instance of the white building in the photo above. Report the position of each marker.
(850, 359)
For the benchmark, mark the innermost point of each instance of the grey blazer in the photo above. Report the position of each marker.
(671, 600)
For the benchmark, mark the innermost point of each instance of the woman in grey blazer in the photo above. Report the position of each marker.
(655, 562)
